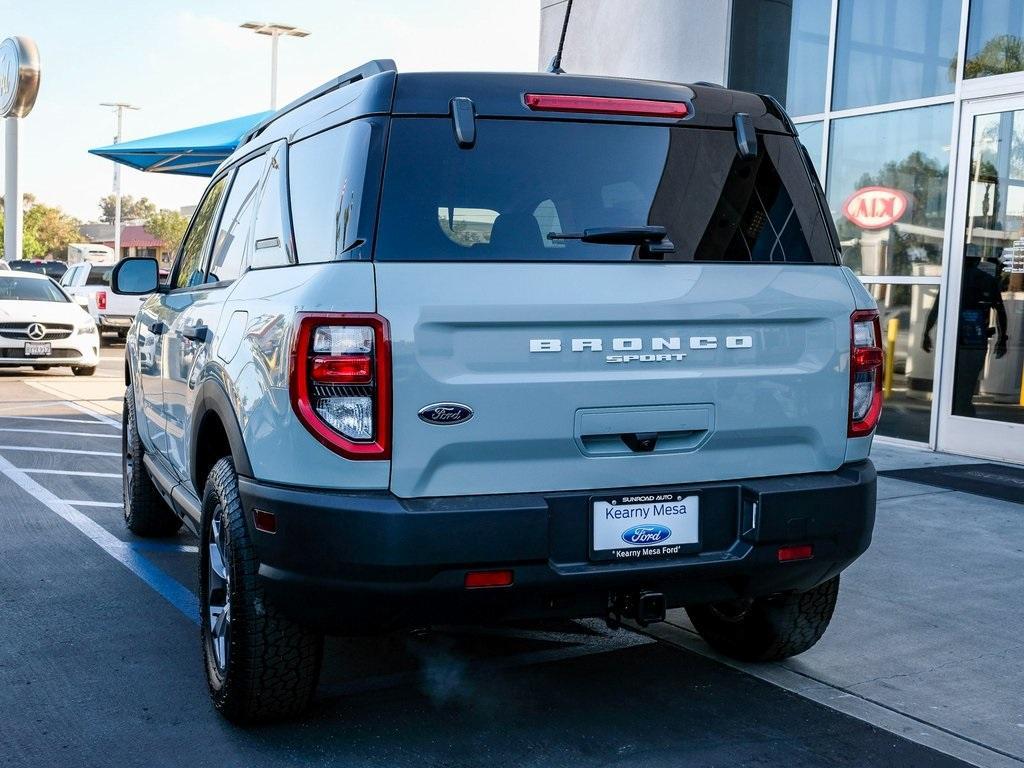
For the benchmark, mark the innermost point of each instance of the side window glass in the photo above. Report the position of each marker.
(269, 239)
(189, 269)
(229, 245)
(333, 191)
(69, 277)
(98, 275)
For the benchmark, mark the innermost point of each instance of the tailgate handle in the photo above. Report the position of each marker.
(651, 429)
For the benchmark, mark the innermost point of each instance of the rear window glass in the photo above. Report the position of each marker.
(99, 276)
(526, 180)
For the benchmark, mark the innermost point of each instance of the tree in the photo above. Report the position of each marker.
(168, 226)
(1004, 53)
(47, 231)
(130, 208)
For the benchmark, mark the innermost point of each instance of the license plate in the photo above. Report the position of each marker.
(36, 349)
(644, 525)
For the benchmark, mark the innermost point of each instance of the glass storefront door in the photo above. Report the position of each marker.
(982, 403)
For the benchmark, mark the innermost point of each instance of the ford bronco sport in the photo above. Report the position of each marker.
(468, 347)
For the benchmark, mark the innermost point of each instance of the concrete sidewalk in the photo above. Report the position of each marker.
(927, 637)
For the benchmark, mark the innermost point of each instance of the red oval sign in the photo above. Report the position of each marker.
(875, 207)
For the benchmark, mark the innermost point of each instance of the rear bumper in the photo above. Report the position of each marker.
(119, 322)
(343, 561)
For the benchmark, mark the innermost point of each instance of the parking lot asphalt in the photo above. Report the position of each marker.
(100, 659)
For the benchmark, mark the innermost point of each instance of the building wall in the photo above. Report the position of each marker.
(676, 40)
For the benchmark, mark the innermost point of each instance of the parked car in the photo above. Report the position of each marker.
(48, 267)
(89, 283)
(42, 327)
(571, 346)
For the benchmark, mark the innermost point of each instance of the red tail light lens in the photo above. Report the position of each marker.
(101, 299)
(484, 579)
(866, 363)
(796, 552)
(607, 105)
(341, 382)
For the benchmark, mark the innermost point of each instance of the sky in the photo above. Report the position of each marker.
(186, 63)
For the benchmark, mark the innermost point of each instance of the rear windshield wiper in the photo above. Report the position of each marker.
(653, 241)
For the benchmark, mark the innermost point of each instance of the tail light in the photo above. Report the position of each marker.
(101, 299)
(605, 105)
(866, 360)
(341, 382)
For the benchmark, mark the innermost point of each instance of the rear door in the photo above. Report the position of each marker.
(592, 366)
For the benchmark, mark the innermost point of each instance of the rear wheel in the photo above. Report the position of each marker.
(83, 370)
(145, 511)
(767, 628)
(260, 665)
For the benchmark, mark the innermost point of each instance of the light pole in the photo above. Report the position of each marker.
(274, 31)
(119, 107)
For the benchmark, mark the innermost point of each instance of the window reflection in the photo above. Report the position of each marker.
(781, 48)
(810, 137)
(892, 50)
(909, 342)
(995, 38)
(887, 189)
(990, 317)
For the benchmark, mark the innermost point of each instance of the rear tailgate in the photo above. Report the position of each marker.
(590, 365)
(772, 403)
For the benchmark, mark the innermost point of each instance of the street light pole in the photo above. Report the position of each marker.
(119, 107)
(274, 31)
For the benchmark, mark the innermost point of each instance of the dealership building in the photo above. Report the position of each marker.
(913, 113)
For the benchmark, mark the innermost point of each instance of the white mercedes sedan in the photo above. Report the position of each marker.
(42, 327)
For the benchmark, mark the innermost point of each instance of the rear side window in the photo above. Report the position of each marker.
(270, 239)
(232, 233)
(526, 180)
(99, 276)
(333, 183)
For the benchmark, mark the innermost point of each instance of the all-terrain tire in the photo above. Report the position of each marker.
(272, 664)
(145, 512)
(83, 370)
(767, 628)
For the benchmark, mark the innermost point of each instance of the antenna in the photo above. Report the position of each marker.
(555, 67)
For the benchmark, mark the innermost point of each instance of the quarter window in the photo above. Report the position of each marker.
(189, 270)
(270, 242)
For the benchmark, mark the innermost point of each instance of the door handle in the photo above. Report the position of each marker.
(196, 333)
(157, 328)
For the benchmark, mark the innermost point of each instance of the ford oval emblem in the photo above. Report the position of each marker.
(446, 413)
(646, 534)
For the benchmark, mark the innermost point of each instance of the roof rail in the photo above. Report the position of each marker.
(373, 67)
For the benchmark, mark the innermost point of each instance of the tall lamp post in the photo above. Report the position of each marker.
(119, 107)
(274, 31)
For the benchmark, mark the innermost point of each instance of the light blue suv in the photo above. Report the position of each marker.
(471, 347)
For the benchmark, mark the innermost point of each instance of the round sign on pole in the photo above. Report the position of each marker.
(19, 76)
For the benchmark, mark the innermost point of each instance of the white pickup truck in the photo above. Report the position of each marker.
(88, 283)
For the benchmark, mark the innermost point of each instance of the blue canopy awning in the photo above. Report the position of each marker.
(192, 152)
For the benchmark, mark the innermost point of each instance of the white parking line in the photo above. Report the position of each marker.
(37, 449)
(94, 413)
(173, 592)
(57, 432)
(74, 473)
(94, 422)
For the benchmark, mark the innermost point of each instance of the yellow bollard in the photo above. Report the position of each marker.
(1022, 386)
(892, 330)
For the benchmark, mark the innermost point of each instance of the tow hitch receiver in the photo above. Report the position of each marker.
(642, 607)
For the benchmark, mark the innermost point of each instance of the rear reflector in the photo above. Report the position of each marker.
(606, 105)
(797, 552)
(480, 579)
(264, 521)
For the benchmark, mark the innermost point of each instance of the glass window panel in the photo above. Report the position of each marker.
(908, 314)
(229, 247)
(995, 38)
(887, 189)
(782, 49)
(190, 269)
(988, 378)
(893, 50)
(810, 137)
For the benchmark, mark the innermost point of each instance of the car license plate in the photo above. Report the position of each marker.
(644, 525)
(36, 349)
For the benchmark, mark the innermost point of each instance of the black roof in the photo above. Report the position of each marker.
(377, 88)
